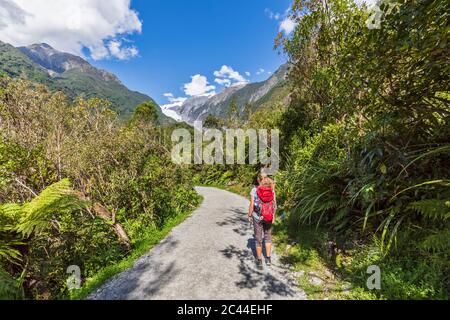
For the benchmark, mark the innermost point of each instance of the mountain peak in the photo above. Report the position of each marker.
(41, 45)
(52, 59)
(198, 108)
(56, 62)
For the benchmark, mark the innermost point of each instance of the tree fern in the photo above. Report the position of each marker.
(9, 287)
(8, 251)
(9, 215)
(9, 240)
(38, 213)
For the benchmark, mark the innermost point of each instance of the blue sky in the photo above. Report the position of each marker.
(180, 39)
(181, 47)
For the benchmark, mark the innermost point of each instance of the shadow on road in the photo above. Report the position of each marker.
(140, 281)
(165, 276)
(238, 219)
(250, 277)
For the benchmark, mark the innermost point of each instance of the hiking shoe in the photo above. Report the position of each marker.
(268, 261)
(259, 264)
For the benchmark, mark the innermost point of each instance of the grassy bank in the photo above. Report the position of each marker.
(327, 272)
(152, 237)
(305, 252)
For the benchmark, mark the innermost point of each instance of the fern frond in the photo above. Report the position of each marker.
(9, 215)
(54, 199)
(433, 209)
(437, 242)
(442, 182)
(8, 252)
(9, 287)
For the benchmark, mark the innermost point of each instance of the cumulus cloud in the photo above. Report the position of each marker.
(122, 53)
(199, 86)
(228, 77)
(11, 13)
(174, 101)
(287, 25)
(272, 15)
(260, 71)
(72, 25)
(247, 73)
(223, 82)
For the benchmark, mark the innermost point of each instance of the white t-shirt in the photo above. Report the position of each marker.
(254, 196)
(253, 193)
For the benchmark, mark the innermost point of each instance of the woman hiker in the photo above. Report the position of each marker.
(261, 213)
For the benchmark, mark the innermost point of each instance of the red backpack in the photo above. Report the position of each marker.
(266, 205)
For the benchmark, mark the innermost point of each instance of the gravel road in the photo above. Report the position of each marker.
(208, 256)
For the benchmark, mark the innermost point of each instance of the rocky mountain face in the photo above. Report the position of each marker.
(56, 62)
(198, 108)
(71, 74)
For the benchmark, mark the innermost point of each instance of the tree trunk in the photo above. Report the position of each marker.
(104, 213)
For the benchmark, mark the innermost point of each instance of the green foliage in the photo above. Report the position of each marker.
(366, 135)
(121, 176)
(433, 209)
(9, 239)
(145, 112)
(212, 122)
(365, 141)
(10, 288)
(38, 213)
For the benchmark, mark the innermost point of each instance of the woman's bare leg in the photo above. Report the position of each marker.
(259, 253)
(268, 249)
(268, 241)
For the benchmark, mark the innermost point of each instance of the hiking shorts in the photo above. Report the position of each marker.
(261, 232)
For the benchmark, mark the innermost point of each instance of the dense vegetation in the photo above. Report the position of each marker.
(366, 141)
(78, 187)
(364, 179)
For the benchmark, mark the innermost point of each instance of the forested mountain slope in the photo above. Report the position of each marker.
(71, 74)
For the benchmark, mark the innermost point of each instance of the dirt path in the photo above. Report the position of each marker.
(209, 256)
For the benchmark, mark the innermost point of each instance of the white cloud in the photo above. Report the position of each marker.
(247, 73)
(260, 71)
(71, 25)
(174, 101)
(223, 82)
(178, 101)
(227, 77)
(272, 15)
(287, 25)
(199, 86)
(121, 53)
